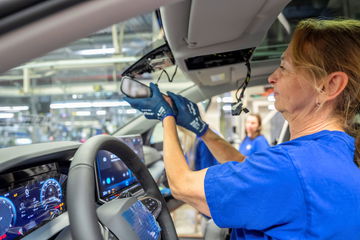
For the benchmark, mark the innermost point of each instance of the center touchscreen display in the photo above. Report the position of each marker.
(112, 174)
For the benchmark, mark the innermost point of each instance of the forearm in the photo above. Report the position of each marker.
(185, 184)
(175, 163)
(220, 148)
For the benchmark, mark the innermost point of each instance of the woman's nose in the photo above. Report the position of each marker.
(272, 78)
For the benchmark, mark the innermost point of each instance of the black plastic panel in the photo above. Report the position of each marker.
(218, 59)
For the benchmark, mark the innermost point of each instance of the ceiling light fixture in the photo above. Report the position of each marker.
(97, 51)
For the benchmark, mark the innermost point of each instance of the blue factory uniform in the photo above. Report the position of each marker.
(250, 146)
(203, 156)
(307, 188)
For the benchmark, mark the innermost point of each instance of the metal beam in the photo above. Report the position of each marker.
(26, 80)
(77, 63)
(115, 39)
(80, 88)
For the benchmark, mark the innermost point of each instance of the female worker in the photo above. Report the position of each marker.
(254, 141)
(306, 188)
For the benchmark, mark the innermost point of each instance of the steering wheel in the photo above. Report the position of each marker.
(83, 213)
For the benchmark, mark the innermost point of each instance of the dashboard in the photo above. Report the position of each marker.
(33, 188)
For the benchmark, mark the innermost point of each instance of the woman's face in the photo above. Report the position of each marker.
(294, 93)
(251, 125)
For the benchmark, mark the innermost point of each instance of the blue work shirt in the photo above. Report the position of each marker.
(203, 156)
(307, 188)
(200, 157)
(251, 145)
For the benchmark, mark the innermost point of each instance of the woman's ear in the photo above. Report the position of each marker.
(334, 85)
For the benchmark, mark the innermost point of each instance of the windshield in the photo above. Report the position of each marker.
(279, 34)
(72, 93)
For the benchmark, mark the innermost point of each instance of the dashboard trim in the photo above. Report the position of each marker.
(24, 156)
(50, 229)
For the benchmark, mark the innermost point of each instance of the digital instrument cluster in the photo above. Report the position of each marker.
(29, 198)
(112, 174)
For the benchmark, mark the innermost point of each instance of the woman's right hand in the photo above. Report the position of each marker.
(187, 115)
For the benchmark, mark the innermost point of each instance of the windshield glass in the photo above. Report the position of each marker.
(279, 34)
(72, 93)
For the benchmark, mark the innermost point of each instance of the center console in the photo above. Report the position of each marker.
(113, 176)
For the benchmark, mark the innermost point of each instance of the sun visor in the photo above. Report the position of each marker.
(209, 37)
(212, 23)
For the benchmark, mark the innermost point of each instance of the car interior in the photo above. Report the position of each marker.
(76, 161)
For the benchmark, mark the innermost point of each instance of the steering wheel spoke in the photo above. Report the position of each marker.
(152, 204)
(128, 218)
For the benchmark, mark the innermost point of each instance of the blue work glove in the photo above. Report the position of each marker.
(154, 107)
(188, 115)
